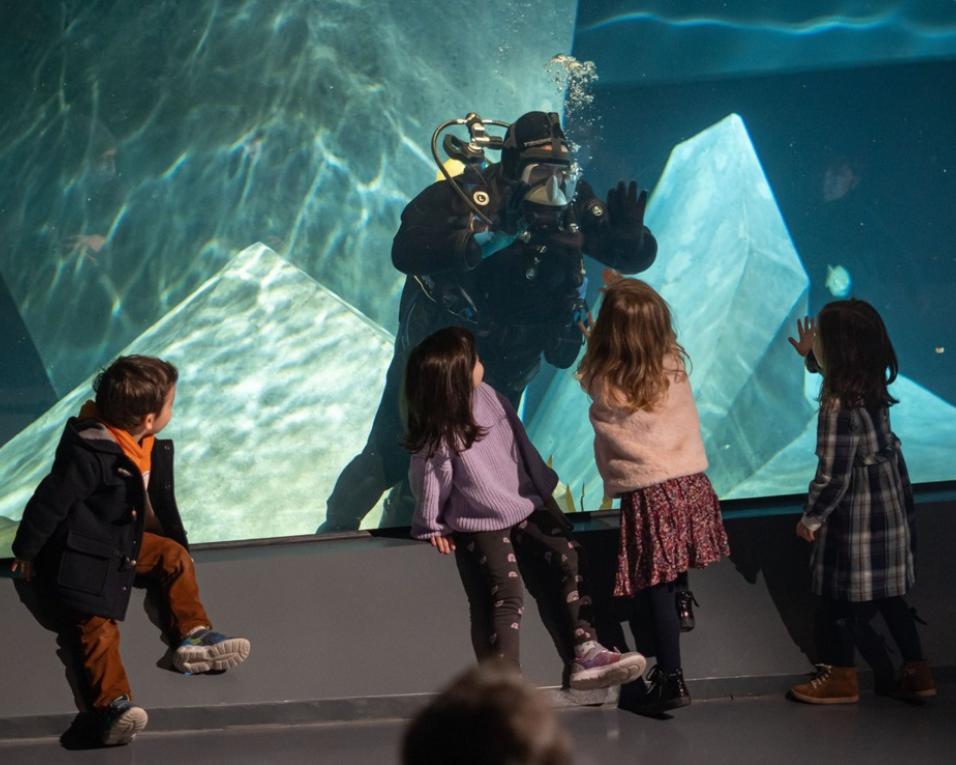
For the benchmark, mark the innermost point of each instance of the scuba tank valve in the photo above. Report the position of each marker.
(471, 152)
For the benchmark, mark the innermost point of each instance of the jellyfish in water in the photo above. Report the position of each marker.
(838, 281)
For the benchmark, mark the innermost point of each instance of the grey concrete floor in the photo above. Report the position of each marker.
(761, 730)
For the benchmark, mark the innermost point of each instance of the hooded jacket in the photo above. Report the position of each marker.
(83, 526)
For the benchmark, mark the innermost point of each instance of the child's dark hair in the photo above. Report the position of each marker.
(132, 387)
(437, 393)
(488, 716)
(859, 361)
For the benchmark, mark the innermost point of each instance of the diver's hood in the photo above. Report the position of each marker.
(534, 138)
(535, 152)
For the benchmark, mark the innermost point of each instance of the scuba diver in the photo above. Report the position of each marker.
(498, 250)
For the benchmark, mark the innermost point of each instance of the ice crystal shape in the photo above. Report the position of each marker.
(735, 284)
(279, 380)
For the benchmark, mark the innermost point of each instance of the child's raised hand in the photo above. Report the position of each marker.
(806, 330)
(585, 326)
(806, 534)
(609, 276)
(444, 545)
(25, 567)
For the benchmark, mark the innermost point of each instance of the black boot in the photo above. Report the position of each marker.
(667, 691)
(685, 609)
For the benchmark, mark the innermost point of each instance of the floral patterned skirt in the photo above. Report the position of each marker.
(666, 529)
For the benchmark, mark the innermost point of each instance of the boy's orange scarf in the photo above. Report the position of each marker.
(140, 453)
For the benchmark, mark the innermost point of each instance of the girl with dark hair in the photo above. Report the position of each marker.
(483, 492)
(860, 514)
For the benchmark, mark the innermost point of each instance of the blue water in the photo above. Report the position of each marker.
(665, 41)
(144, 146)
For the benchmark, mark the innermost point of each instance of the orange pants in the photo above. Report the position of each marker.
(161, 560)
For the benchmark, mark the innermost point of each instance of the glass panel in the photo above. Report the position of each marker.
(219, 184)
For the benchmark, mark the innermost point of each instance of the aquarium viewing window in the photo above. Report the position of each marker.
(219, 184)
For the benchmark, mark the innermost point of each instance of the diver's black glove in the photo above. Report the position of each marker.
(626, 207)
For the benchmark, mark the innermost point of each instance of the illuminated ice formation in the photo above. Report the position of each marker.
(729, 271)
(925, 424)
(279, 380)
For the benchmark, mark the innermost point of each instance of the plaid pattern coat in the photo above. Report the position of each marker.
(861, 506)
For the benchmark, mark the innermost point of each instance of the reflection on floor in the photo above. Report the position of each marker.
(766, 729)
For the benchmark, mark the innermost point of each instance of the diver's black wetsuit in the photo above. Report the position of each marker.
(523, 302)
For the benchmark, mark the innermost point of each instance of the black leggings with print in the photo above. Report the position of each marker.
(488, 564)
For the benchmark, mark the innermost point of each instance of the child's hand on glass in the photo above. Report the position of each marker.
(609, 276)
(806, 534)
(444, 545)
(806, 330)
(25, 567)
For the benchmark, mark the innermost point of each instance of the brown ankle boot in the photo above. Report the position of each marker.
(832, 685)
(916, 682)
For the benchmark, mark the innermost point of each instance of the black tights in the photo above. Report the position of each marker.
(666, 625)
(850, 626)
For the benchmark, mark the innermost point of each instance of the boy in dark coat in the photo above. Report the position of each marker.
(106, 514)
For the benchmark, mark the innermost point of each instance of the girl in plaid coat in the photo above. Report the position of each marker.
(859, 514)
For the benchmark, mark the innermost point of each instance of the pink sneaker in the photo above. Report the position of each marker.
(599, 667)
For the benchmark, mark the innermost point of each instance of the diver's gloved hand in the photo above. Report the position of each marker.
(506, 223)
(580, 312)
(492, 240)
(562, 349)
(625, 207)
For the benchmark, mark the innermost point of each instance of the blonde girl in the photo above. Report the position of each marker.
(650, 454)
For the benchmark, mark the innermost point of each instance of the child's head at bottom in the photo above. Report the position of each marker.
(440, 378)
(136, 393)
(855, 354)
(487, 716)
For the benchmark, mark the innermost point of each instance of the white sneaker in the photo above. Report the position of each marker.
(599, 667)
(122, 720)
(208, 651)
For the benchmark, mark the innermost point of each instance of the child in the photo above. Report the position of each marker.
(483, 492)
(649, 451)
(487, 716)
(106, 514)
(859, 513)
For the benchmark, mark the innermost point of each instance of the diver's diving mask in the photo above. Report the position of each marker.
(549, 184)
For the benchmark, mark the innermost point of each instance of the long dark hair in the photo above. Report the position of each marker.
(859, 362)
(437, 393)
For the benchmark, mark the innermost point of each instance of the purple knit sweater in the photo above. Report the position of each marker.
(486, 487)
